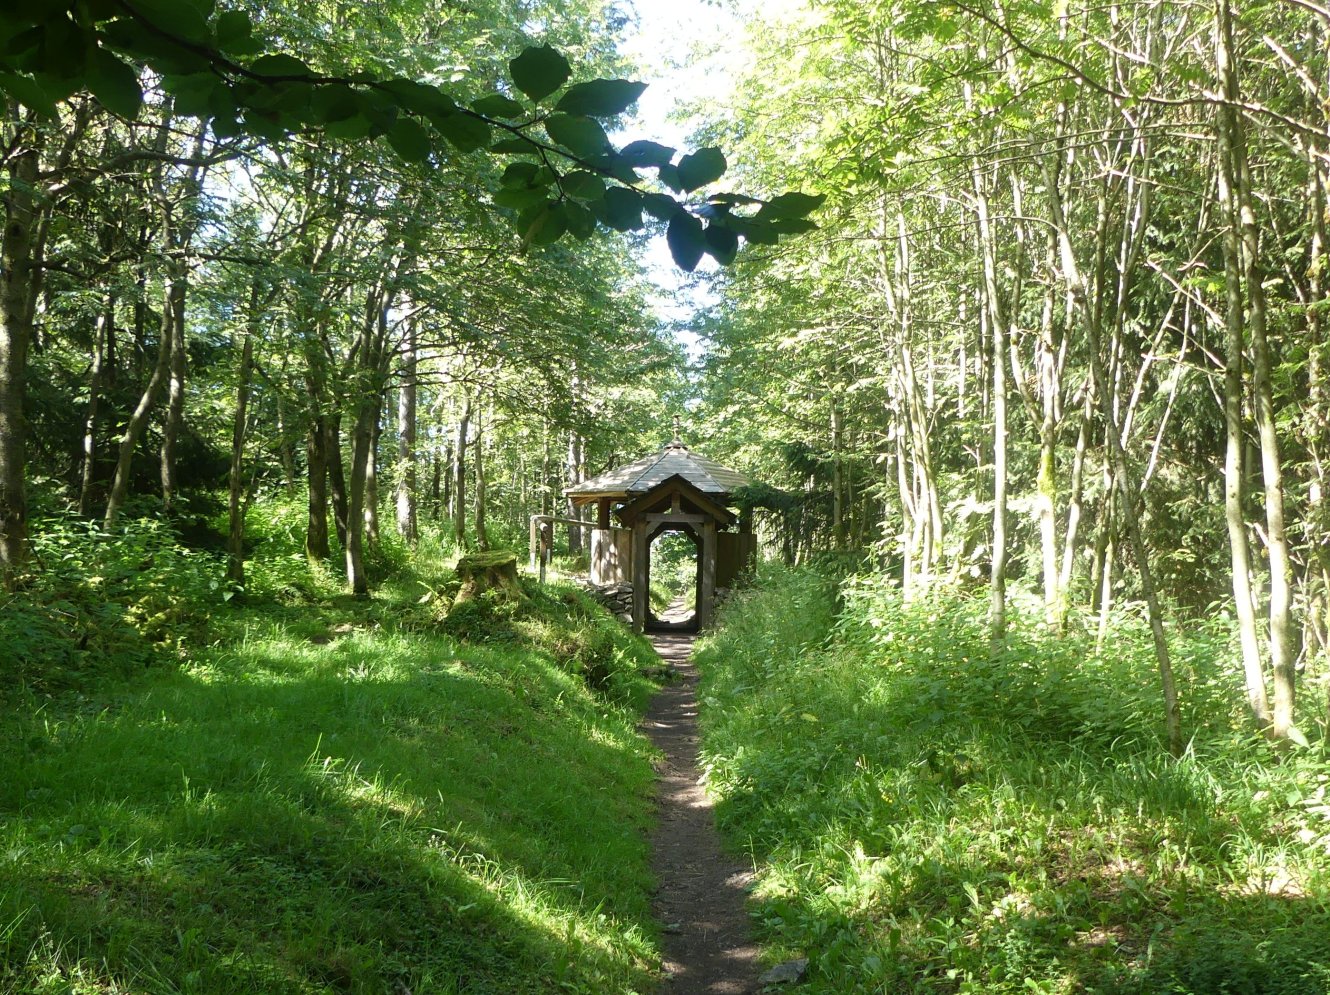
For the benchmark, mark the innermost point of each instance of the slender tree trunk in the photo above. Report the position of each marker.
(17, 299)
(482, 536)
(574, 475)
(459, 475)
(175, 392)
(372, 482)
(138, 420)
(1128, 484)
(284, 452)
(362, 439)
(105, 335)
(316, 535)
(235, 547)
(997, 583)
(1234, 363)
(837, 474)
(332, 448)
(407, 523)
(1283, 631)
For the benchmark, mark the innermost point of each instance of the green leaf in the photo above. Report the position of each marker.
(235, 34)
(519, 174)
(669, 175)
(279, 64)
(583, 185)
(661, 206)
(180, 20)
(686, 241)
(644, 154)
(497, 105)
(702, 167)
(27, 92)
(581, 222)
(512, 146)
(114, 84)
(464, 132)
(546, 225)
(728, 200)
(520, 198)
(419, 98)
(410, 140)
(722, 243)
(334, 102)
(791, 205)
(790, 226)
(620, 209)
(580, 135)
(757, 232)
(195, 93)
(349, 128)
(600, 97)
(538, 72)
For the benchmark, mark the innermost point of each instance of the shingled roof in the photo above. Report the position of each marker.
(642, 475)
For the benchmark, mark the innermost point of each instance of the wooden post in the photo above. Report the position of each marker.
(603, 513)
(641, 576)
(706, 598)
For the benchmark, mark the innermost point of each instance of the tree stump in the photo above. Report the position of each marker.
(483, 572)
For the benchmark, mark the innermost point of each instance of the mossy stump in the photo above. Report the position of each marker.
(483, 572)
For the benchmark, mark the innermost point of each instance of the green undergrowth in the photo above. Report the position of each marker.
(926, 818)
(325, 794)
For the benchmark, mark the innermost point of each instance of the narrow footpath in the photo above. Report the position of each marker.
(700, 899)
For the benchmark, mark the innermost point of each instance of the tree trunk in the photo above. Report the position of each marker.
(372, 481)
(1234, 362)
(284, 445)
(316, 534)
(138, 420)
(362, 438)
(235, 547)
(17, 299)
(1283, 631)
(574, 467)
(1128, 484)
(332, 448)
(997, 582)
(482, 536)
(175, 404)
(459, 475)
(101, 349)
(407, 523)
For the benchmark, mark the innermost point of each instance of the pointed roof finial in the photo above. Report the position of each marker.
(676, 441)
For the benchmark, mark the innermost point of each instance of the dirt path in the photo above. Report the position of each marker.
(700, 900)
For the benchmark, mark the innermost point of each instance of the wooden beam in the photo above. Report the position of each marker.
(706, 596)
(658, 519)
(603, 513)
(641, 577)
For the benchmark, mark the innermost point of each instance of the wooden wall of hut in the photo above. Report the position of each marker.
(611, 556)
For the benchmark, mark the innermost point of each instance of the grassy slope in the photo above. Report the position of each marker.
(926, 819)
(344, 798)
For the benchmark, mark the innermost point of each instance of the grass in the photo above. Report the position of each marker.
(928, 819)
(334, 796)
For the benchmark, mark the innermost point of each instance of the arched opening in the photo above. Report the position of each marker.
(674, 572)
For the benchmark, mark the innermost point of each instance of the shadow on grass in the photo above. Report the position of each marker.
(373, 815)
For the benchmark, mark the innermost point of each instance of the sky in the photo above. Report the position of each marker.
(669, 35)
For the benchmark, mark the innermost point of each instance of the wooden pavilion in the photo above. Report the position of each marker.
(672, 490)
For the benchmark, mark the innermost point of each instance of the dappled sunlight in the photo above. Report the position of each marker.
(290, 806)
(913, 814)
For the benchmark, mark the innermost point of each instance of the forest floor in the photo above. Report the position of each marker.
(701, 898)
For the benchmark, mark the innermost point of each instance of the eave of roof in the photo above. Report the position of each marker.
(640, 476)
